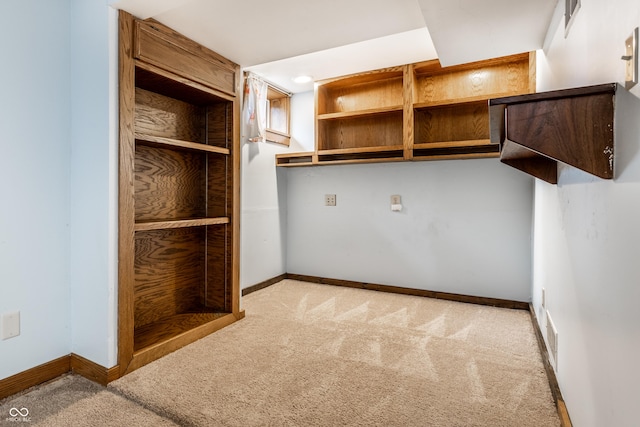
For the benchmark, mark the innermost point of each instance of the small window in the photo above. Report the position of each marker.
(570, 9)
(278, 113)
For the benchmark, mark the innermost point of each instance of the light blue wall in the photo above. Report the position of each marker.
(35, 149)
(93, 184)
(58, 222)
(465, 227)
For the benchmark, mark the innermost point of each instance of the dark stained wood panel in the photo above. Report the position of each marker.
(169, 184)
(219, 186)
(216, 295)
(571, 126)
(577, 131)
(169, 273)
(220, 124)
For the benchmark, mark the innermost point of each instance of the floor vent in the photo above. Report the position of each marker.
(552, 341)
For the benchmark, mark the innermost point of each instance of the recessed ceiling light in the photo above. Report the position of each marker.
(303, 79)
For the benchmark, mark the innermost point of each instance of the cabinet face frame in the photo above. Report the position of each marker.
(208, 215)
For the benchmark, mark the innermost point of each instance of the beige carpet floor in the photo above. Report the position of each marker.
(74, 401)
(318, 355)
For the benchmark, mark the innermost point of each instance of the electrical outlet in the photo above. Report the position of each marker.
(396, 200)
(10, 325)
(329, 199)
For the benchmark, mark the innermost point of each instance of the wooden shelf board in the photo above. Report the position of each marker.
(452, 144)
(295, 159)
(355, 161)
(433, 67)
(181, 223)
(162, 81)
(461, 101)
(452, 102)
(294, 155)
(458, 156)
(556, 94)
(159, 332)
(360, 113)
(295, 164)
(158, 140)
(362, 78)
(360, 150)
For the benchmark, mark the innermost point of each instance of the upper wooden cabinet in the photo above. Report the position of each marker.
(413, 112)
(570, 126)
(167, 49)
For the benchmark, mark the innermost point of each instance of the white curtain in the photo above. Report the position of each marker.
(254, 109)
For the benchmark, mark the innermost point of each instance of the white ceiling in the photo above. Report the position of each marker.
(281, 39)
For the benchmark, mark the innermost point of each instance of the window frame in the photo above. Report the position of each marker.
(278, 105)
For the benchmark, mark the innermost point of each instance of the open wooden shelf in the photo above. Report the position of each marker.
(176, 143)
(165, 329)
(360, 113)
(571, 126)
(295, 159)
(179, 190)
(417, 111)
(181, 223)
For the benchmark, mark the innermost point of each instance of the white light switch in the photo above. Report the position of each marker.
(10, 325)
(631, 60)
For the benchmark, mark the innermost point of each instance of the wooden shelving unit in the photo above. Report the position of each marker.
(178, 255)
(571, 126)
(414, 112)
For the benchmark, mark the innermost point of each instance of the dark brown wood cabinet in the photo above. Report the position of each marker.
(179, 187)
(571, 126)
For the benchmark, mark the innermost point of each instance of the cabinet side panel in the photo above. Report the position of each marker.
(126, 209)
(217, 292)
(219, 191)
(220, 124)
(169, 273)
